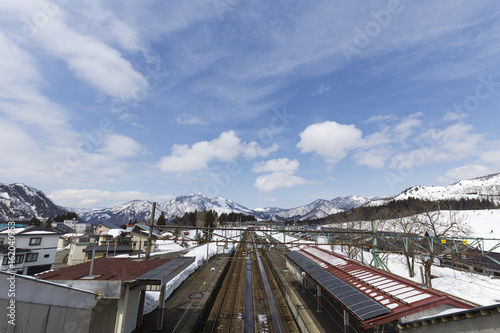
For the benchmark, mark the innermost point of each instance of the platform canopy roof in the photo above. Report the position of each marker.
(371, 295)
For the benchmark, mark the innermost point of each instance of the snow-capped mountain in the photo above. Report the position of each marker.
(317, 209)
(141, 210)
(22, 201)
(487, 187)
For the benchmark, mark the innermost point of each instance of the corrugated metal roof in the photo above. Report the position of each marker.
(163, 273)
(400, 296)
(124, 269)
(110, 249)
(359, 303)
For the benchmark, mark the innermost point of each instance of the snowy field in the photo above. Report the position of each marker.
(476, 288)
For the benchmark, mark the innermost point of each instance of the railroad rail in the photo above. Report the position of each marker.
(249, 299)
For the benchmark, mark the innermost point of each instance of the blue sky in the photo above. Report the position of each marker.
(267, 103)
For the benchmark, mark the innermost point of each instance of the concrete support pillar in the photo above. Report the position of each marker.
(346, 321)
(140, 312)
(161, 309)
(318, 297)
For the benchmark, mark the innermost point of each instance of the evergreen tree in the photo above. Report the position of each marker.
(161, 219)
(34, 221)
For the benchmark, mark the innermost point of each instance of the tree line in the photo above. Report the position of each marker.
(400, 208)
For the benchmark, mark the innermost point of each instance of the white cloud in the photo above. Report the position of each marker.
(120, 146)
(491, 156)
(92, 198)
(281, 173)
(467, 172)
(189, 119)
(252, 150)
(455, 116)
(272, 181)
(225, 148)
(374, 158)
(381, 118)
(88, 57)
(322, 89)
(329, 140)
(452, 143)
(280, 164)
(405, 128)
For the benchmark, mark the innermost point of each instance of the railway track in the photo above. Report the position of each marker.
(249, 300)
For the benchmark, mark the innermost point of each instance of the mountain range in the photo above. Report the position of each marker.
(17, 200)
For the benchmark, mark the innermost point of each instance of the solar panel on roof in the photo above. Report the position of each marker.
(359, 303)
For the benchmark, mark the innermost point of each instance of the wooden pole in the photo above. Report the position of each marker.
(151, 223)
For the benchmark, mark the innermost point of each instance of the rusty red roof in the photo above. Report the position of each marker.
(117, 269)
(401, 296)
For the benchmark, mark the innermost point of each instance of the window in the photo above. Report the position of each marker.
(89, 256)
(31, 257)
(35, 241)
(19, 259)
(46, 255)
(1, 240)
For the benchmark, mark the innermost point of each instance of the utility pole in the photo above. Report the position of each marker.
(151, 223)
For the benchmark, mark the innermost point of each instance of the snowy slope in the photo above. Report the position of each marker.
(487, 187)
(19, 200)
(479, 289)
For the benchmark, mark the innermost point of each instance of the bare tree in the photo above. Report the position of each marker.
(437, 224)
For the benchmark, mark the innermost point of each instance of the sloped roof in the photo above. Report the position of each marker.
(117, 269)
(108, 224)
(31, 230)
(400, 297)
(110, 249)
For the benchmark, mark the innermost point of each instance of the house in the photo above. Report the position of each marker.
(61, 228)
(109, 244)
(122, 284)
(67, 239)
(104, 226)
(140, 236)
(35, 249)
(76, 254)
(79, 227)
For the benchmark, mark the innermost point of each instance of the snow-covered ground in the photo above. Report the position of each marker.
(476, 288)
(200, 252)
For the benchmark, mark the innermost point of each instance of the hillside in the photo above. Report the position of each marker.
(22, 201)
(487, 188)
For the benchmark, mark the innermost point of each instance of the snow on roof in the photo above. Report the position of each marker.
(115, 232)
(401, 296)
(72, 235)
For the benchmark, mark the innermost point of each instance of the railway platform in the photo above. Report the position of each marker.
(186, 309)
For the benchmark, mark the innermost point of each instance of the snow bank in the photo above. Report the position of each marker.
(200, 254)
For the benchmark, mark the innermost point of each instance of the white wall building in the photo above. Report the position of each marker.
(35, 250)
(79, 227)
